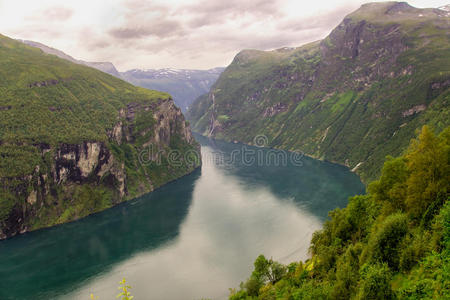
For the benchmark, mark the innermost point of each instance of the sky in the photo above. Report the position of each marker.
(190, 34)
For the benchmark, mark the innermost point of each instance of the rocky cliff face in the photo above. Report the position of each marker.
(353, 98)
(69, 168)
(79, 146)
(53, 189)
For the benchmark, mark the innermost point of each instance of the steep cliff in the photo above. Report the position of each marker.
(353, 98)
(75, 141)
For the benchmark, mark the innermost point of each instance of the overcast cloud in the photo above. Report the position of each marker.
(196, 34)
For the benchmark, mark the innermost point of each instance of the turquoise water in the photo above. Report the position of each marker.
(192, 238)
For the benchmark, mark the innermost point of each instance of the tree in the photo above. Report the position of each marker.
(384, 243)
(375, 283)
(428, 162)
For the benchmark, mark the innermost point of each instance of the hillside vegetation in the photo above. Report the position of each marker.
(352, 98)
(71, 137)
(392, 243)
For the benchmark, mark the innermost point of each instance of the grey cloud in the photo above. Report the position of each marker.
(152, 27)
(235, 7)
(91, 40)
(206, 13)
(99, 44)
(146, 19)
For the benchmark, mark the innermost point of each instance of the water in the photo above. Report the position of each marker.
(193, 238)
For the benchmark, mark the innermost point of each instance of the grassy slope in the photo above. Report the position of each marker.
(332, 104)
(81, 107)
(48, 100)
(85, 100)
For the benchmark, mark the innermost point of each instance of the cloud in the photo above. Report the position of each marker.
(58, 13)
(146, 19)
(193, 31)
(215, 12)
(151, 27)
(172, 33)
(92, 40)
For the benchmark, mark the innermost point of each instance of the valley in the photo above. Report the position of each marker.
(316, 165)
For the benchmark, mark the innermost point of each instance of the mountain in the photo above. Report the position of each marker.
(106, 67)
(353, 98)
(184, 85)
(75, 140)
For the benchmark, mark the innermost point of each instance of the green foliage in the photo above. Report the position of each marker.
(347, 273)
(47, 100)
(385, 240)
(391, 187)
(428, 162)
(413, 248)
(392, 243)
(375, 283)
(7, 202)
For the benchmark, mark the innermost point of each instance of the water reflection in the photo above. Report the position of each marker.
(193, 238)
(228, 225)
(313, 185)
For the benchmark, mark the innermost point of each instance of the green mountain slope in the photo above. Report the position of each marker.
(351, 98)
(75, 140)
(393, 243)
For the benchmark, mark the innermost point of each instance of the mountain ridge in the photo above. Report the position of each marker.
(351, 98)
(106, 67)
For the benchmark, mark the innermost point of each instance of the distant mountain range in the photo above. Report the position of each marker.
(184, 85)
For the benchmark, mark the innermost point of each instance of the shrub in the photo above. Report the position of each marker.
(384, 243)
(375, 283)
